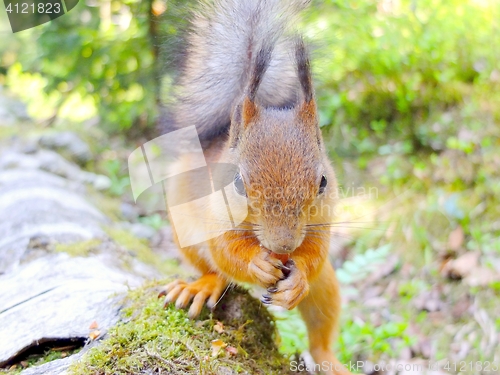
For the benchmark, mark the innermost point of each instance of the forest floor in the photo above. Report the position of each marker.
(418, 256)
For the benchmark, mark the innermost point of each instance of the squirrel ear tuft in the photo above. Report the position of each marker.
(304, 70)
(248, 110)
(307, 108)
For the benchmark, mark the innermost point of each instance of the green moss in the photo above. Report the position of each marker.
(109, 206)
(79, 249)
(154, 339)
(32, 360)
(140, 249)
(8, 131)
(133, 247)
(138, 246)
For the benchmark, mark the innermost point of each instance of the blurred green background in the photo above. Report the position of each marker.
(409, 99)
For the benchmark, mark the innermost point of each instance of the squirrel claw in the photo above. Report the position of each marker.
(285, 268)
(290, 291)
(279, 265)
(266, 299)
(209, 287)
(168, 291)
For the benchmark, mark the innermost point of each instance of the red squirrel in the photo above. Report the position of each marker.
(246, 85)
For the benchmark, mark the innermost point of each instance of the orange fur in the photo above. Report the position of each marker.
(239, 255)
(249, 111)
(291, 191)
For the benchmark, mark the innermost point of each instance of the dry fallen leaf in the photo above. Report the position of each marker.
(232, 350)
(429, 301)
(456, 238)
(462, 266)
(481, 276)
(217, 345)
(426, 348)
(94, 325)
(461, 306)
(94, 334)
(219, 327)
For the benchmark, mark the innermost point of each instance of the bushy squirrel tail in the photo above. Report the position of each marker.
(221, 46)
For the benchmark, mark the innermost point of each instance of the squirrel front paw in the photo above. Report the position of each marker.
(266, 270)
(290, 291)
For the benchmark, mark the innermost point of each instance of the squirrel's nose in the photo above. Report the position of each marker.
(280, 248)
(282, 241)
(286, 248)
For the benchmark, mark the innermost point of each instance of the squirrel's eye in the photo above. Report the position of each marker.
(238, 185)
(322, 185)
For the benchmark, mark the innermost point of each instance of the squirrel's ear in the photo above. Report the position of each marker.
(245, 112)
(249, 111)
(307, 109)
(308, 112)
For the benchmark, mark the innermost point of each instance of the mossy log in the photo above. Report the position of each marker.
(237, 337)
(70, 276)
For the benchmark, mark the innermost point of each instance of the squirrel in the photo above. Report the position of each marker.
(246, 85)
